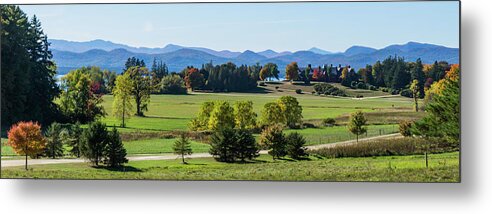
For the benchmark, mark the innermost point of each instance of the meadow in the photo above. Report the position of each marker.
(442, 168)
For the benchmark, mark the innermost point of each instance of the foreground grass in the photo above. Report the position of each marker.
(443, 168)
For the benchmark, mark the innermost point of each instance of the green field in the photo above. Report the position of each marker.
(157, 146)
(442, 168)
(173, 112)
(334, 134)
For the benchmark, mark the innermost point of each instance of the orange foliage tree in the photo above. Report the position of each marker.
(437, 87)
(292, 71)
(26, 139)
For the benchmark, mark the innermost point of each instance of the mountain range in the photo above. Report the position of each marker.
(108, 55)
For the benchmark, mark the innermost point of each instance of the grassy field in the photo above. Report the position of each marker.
(442, 168)
(334, 134)
(173, 112)
(157, 146)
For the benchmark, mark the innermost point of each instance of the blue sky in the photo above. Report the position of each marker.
(333, 26)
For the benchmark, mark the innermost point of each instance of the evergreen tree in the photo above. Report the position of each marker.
(295, 145)
(54, 141)
(114, 152)
(73, 138)
(28, 84)
(94, 142)
(417, 73)
(222, 143)
(273, 139)
(182, 146)
(245, 146)
(357, 122)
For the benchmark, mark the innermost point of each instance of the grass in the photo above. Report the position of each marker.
(315, 136)
(6, 150)
(360, 92)
(442, 168)
(157, 146)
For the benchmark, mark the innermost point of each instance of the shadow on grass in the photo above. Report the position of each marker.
(119, 169)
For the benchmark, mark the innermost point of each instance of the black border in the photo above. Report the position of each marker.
(265, 2)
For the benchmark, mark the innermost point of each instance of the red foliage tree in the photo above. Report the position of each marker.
(194, 79)
(26, 139)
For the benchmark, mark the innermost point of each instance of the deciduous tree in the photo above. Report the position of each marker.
(291, 110)
(122, 103)
(141, 88)
(244, 116)
(26, 139)
(292, 71)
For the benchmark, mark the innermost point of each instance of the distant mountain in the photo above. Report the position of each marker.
(354, 50)
(319, 51)
(178, 57)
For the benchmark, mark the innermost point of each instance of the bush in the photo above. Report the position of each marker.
(173, 84)
(262, 84)
(372, 88)
(359, 96)
(295, 145)
(401, 146)
(298, 91)
(329, 122)
(405, 128)
(229, 145)
(273, 139)
(361, 85)
(328, 89)
(406, 93)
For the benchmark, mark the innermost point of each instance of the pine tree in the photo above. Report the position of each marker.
(114, 152)
(54, 141)
(295, 145)
(94, 142)
(182, 146)
(357, 124)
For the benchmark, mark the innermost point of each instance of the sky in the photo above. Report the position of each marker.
(332, 26)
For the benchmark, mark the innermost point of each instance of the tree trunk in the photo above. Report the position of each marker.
(26, 157)
(357, 138)
(426, 161)
(183, 157)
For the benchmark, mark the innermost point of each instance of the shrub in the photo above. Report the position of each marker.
(298, 91)
(359, 96)
(295, 145)
(372, 88)
(361, 85)
(273, 139)
(262, 84)
(329, 122)
(387, 147)
(405, 128)
(173, 84)
(406, 93)
(114, 152)
(328, 89)
(353, 84)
